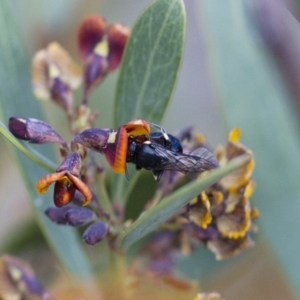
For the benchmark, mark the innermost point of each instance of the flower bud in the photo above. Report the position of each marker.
(95, 233)
(79, 216)
(57, 215)
(71, 163)
(93, 138)
(33, 131)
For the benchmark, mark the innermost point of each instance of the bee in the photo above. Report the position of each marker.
(163, 151)
(155, 151)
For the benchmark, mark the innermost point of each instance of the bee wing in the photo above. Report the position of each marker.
(198, 161)
(207, 157)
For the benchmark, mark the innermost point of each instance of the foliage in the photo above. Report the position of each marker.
(254, 87)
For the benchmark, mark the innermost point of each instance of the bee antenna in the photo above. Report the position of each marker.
(162, 130)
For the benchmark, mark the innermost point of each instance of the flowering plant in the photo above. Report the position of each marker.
(211, 206)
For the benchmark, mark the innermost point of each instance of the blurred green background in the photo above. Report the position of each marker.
(241, 67)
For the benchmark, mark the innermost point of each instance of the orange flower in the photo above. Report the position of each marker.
(67, 181)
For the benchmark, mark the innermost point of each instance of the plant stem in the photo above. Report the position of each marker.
(116, 289)
(103, 195)
(118, 193)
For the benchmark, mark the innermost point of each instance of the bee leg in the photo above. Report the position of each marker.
(157, 174)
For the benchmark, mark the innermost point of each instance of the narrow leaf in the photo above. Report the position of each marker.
(16, 100)
(151, 63)
(157, 215)
(149, 68)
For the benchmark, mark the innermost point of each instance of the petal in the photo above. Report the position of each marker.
(82, 188)
(17, 126)
(235, 135)
(232, 200)
(78, 200)
(91, 32)
(236, 224)
(200, 216)
(216, 199)
(43, 184)
(64, 191)
(241, 176)
(254, 213)
(117, 38)
(71, 164)
(102, 48)
(39, 74)
(200, 212)
(249, 189)
(220, 154)
(62, 94)
(116, 150)
(137, 127)
(96, 68)
(62, 66)
(225, 248)
(41, 132)
(200, 139)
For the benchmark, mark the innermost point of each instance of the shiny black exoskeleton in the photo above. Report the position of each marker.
(172, 144)
(158, 154)
(144, 155)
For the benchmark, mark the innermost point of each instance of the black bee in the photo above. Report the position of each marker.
(164, 152)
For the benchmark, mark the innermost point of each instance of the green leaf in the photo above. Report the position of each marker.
(151, 63)
(16, 100)
(149, 69)
(169, 206)
(254, 97)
